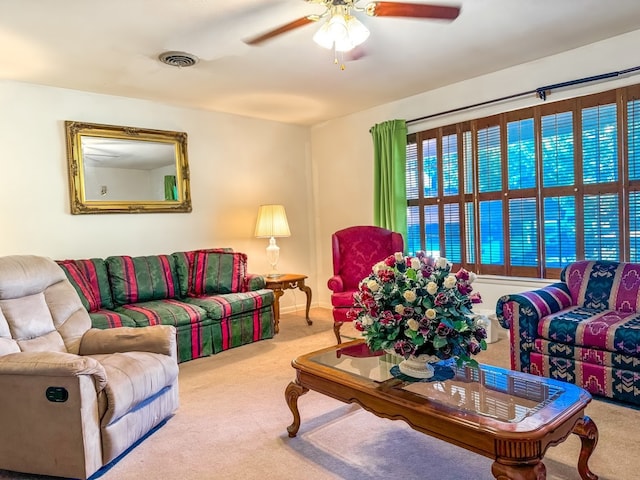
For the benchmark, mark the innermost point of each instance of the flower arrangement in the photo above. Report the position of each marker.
(415, 305)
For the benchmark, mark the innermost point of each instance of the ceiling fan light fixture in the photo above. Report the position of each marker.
(341, 32)
(358, 33)
(323, 38)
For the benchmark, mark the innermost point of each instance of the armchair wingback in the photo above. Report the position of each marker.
(70, 403)
(355, 251)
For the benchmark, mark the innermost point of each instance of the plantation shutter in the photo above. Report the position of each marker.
(490, 203)
(522, 209)
(559, 189)
(633, 160)
(413, 194)
(600, 179)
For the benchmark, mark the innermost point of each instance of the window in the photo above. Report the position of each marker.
(525, 193)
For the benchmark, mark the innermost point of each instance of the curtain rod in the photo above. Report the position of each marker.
(541, 92)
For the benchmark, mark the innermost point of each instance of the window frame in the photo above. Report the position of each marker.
(580, 190)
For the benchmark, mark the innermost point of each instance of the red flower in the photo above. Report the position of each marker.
(386, 275)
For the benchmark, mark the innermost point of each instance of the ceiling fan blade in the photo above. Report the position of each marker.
(414, 10)
(301, 22)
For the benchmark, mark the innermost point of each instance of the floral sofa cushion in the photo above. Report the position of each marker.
(604, 285)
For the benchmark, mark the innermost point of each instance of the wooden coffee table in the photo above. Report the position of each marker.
(511, 417)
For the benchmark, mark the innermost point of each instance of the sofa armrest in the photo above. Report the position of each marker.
(53, 364)
(521, 313)
(531, 306)
(336, 284)
(155, 339)
(255, 282)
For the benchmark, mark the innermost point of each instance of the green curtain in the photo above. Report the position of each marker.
(170, 190)
(389, 182)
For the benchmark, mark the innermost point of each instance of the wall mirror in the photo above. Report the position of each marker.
(115, 169)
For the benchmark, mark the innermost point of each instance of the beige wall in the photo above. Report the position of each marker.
(342, 149)
(236, 164)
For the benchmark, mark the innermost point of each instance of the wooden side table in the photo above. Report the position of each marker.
(285, 282)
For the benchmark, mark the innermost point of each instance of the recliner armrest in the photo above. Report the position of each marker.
(155, 339)
(336, 284)
(53, 364)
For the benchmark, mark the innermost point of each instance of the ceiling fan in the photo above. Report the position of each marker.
(342, 31)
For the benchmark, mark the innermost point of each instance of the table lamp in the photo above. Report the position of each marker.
(272, 223)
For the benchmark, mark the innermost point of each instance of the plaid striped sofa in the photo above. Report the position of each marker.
(207, 295)
(584, 329)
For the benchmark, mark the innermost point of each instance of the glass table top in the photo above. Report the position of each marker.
(489, 391)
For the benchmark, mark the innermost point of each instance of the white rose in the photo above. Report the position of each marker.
(399, 257)
(367, 321)
(432, 288)
(410, 296)
(378, 266)
(472, 277)
(413, 324)
(431, 313)
(441, 262)
(399, 309)
(415, 263)
(373, 285)
(450, 281)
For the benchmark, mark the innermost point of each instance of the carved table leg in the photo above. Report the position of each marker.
(291, 393)
(587, 430)
(307, 292)
(536, 471)
(276, 309)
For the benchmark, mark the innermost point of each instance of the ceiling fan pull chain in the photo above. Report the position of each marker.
(335, 58)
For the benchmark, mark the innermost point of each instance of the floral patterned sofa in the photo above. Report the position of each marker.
(584, 329)
(207, 295)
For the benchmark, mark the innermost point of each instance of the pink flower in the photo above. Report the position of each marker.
(465, 289)
(462, 274)
(441, 299)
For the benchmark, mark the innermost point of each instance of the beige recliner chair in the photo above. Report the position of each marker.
(73, 398)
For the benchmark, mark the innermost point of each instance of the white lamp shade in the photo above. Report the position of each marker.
(272, 222)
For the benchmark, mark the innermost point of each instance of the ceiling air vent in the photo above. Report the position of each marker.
(178, 59)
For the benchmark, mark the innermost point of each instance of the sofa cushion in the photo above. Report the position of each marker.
(218, 272)
(610, 330)
(214, 272)
(95, 279)
(223, 306)
(133, 377)
(343, 299)
(163, 312)
(142, 279)
(603, 285)
(185, 262)
(110, 319)
(587, 355)
(89, 296)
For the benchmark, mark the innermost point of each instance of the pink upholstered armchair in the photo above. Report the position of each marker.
(355, 251)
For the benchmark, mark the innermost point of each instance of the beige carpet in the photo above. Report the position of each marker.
(233, 417)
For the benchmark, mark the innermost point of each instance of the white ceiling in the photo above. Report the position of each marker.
(112, 46)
